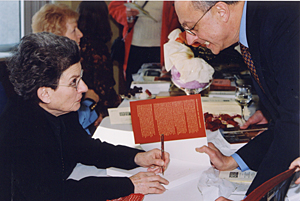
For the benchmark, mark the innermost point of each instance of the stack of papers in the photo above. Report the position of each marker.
(221, 105)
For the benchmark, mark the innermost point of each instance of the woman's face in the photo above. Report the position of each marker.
(66, 98)
(72, 31)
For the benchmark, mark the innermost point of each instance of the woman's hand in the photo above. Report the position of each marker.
(217, 159)
(148, 182)
(152, 160)
(256, 118)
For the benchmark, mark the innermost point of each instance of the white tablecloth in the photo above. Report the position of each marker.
(122, 134)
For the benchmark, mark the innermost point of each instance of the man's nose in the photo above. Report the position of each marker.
(190, 39)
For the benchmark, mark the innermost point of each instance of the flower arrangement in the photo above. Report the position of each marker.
(186, 70)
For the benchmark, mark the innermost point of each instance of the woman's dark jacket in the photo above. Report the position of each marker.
(38, 151)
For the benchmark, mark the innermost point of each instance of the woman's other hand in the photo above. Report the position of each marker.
(148, 182)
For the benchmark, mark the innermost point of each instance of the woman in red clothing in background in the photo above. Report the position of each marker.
(144, 43)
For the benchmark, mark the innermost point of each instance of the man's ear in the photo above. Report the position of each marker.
(44, 94)
(223, 11)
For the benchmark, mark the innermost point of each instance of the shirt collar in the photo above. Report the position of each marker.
(243, 36)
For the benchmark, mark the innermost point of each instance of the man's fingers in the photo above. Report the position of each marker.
(210, 149)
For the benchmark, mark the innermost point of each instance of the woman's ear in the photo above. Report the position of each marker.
(44, 94)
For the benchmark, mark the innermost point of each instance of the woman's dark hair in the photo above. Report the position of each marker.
(93, 20)
(39, 61)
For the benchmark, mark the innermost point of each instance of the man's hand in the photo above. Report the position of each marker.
(148, 182)
(152, 160)
(256, 118)
(296, 163)
(217, 159)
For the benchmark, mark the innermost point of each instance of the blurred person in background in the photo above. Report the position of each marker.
(144, 43)
(61, 20)
(95, 56)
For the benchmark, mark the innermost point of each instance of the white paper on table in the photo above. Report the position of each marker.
(177, 173)
(116, 137)
(154, 87)
(222, 94)
(82, 171)
(185, 163)
(183, 149)
(120, 115)
(237, 176)
(225, 147)
(210, 183)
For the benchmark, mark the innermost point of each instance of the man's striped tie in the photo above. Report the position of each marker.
(248, 60)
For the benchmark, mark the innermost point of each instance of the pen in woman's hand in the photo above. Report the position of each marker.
(162, 151)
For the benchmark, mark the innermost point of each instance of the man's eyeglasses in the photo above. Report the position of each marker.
(75, 82)
(191, 29)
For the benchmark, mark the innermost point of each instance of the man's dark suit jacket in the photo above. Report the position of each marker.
(272, 30)
(35, 161)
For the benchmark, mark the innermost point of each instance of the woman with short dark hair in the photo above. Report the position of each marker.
(41, 140)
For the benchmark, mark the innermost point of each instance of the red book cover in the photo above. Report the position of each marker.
(179, 117)
(131, 197)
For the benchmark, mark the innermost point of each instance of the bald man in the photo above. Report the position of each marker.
(269, 31)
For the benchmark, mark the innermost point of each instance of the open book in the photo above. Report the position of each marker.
(181, 121)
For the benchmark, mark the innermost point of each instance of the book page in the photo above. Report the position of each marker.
(176, 117)
(177, 173)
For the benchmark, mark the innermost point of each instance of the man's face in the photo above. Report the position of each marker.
(210, 30)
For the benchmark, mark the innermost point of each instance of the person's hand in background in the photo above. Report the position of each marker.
(296, 163)
(131, 12)
(91, 94)
(256, 118)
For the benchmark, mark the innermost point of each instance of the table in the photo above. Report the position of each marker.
(122, 134)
